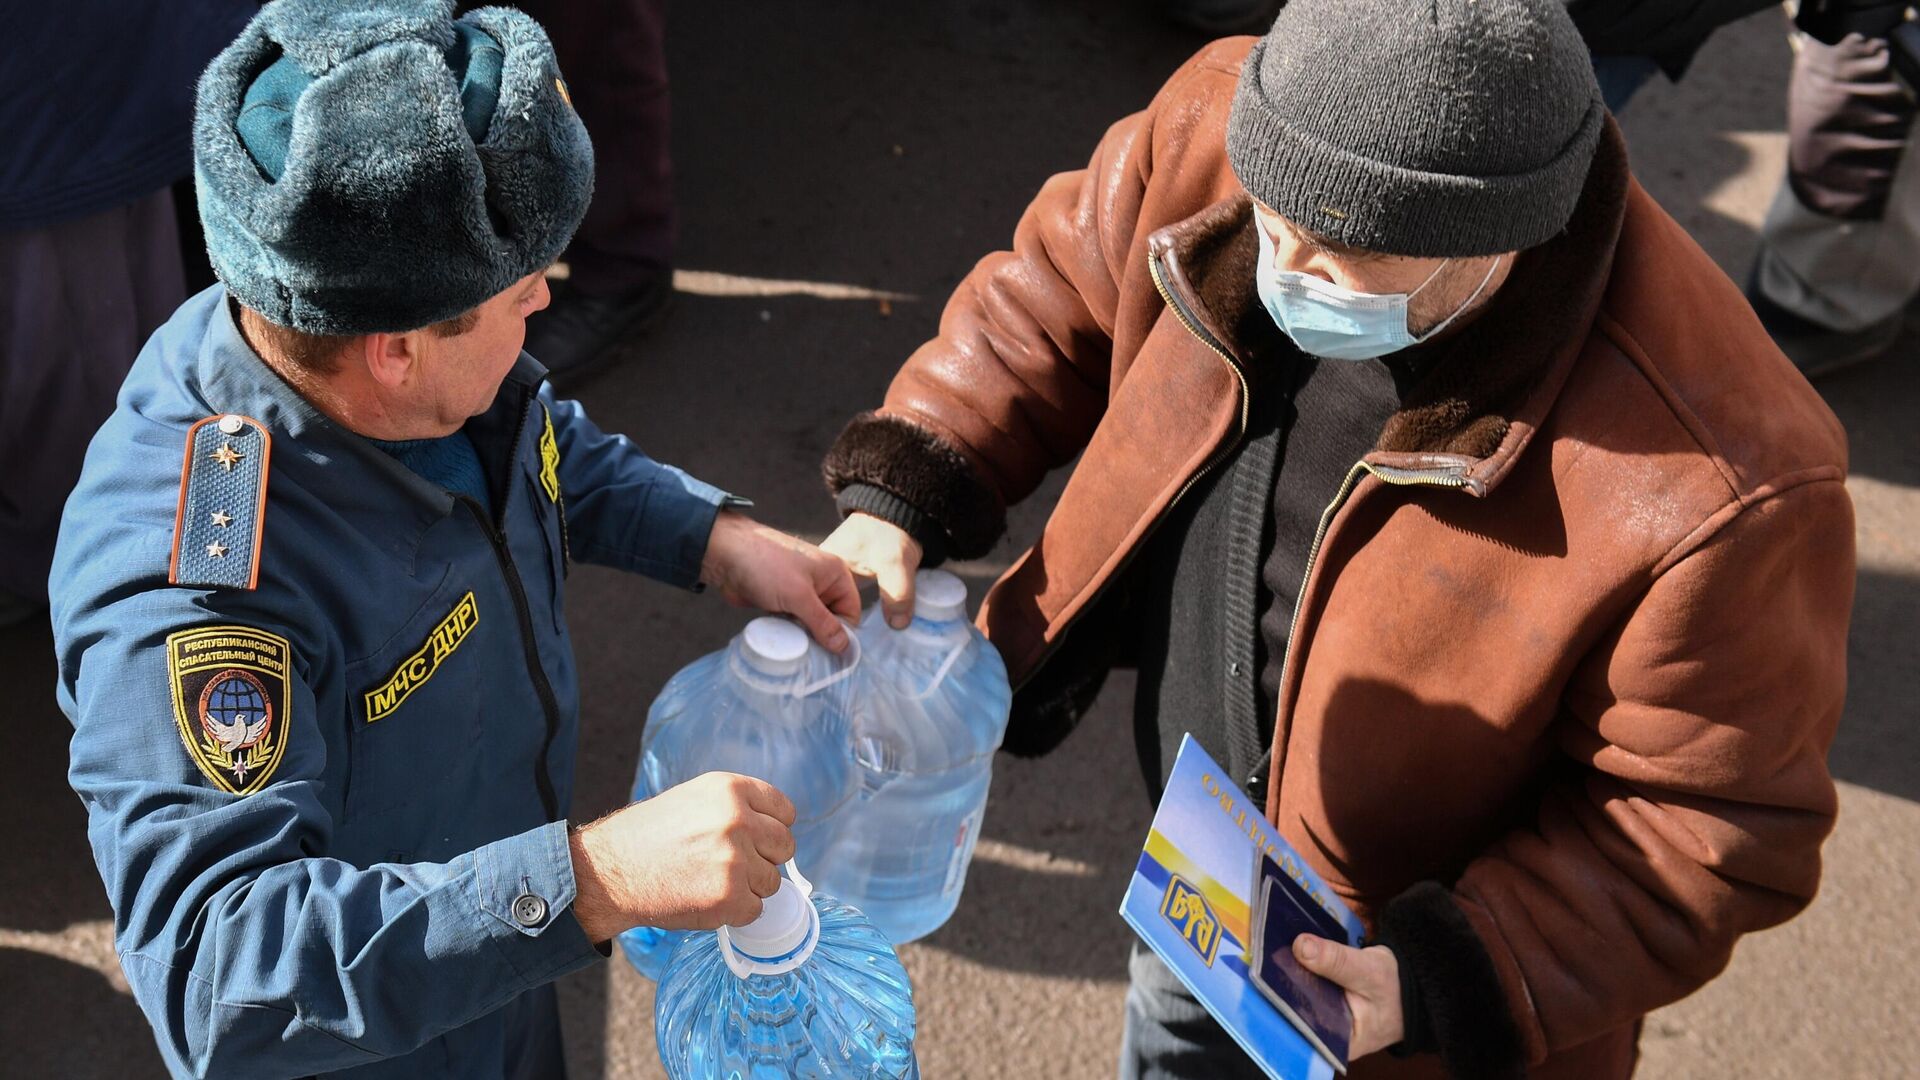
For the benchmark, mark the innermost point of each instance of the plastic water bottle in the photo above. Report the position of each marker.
(809, 989)
(931, 705)
(771, 705)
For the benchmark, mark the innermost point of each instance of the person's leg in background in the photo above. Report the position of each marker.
(196, 269)
(1169, 1035)
(620, 265)
(77, 301)
(1222, 17)
(1620, 77)
(1839, 260)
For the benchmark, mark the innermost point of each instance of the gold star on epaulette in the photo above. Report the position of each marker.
(217, 550)
(227, 456)
(222, 518)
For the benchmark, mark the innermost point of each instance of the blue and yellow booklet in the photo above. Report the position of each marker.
(1194, 898)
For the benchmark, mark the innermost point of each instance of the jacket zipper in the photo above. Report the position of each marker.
(549, 704)
(1451, 476)
(1193, 327)
(1200, 334)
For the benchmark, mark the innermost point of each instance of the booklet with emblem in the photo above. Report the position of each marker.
(1198, 900)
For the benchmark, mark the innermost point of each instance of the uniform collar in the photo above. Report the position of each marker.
(232, 378)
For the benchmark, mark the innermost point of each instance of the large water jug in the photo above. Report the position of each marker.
(931, 705)
(771, 705)
(809, 989)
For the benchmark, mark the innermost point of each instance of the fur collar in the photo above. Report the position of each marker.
(1484, 392)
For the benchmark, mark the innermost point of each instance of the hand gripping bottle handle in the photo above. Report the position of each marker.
(782, 938)
(773, 649)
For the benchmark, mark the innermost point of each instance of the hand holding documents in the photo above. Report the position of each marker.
(1200, 901)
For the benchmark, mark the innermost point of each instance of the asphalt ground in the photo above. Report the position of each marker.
(840, 166)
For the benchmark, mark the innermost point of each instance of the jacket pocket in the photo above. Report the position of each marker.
(414, 707)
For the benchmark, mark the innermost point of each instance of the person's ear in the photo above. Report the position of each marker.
(392, 359)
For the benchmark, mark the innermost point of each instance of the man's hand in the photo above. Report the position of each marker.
(693, 857)
(1371, 978)
(756, 566)
(884, 554)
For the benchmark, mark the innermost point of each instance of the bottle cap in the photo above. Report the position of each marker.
(939, 596)
(784, 922)
(782, 938)
(774, 646)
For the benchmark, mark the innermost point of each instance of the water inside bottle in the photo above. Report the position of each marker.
(772, 705)
(821, 995)
(929, 713)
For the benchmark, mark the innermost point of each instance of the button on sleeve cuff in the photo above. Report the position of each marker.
(525, 892)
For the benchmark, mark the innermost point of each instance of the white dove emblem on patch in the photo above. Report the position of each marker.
(240, 733)
(235, 715)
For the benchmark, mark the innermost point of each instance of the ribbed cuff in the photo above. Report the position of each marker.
(924, 471)
(1451, 1000)
(894, 510)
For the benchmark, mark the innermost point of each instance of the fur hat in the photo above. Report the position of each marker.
(373, 165)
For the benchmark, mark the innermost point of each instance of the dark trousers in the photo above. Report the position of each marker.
(77, 301)
(1169, 1035)
(535, 1051)
(613, 54)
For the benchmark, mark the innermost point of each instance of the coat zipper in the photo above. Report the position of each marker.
(1451, 476)
(1246, 404)
(550, 705)
(1200, 334)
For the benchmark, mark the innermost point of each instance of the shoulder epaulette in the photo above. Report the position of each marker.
(223, 504)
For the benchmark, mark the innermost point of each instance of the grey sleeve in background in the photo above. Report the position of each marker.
(1848, 122)
(1838, 243)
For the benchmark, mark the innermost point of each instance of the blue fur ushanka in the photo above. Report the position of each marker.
(387, 214)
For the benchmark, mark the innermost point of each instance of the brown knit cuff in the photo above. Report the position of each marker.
(1450, 995)
(923, 471)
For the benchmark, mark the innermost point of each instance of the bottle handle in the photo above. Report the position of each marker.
(946, 666)
(744, 966)
(814, 687)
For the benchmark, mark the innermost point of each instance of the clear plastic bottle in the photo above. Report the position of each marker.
(771, 705)
(809, 990)
(930, 709)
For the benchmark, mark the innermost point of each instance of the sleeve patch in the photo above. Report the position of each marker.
(230, 702)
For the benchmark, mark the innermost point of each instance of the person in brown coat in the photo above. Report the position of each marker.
(1442, 487)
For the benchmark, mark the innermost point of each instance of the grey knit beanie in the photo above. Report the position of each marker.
(1419, 127)
(376, 165)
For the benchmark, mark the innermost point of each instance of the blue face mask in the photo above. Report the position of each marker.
(1335, 322)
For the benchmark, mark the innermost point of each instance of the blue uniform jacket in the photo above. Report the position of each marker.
(329, 809)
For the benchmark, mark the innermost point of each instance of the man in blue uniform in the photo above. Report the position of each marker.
(308, 593)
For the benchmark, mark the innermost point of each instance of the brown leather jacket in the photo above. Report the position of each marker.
(1573, 641)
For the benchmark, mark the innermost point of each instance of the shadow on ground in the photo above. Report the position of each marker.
(890, 146)
(47, 882)
(66, 1020)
